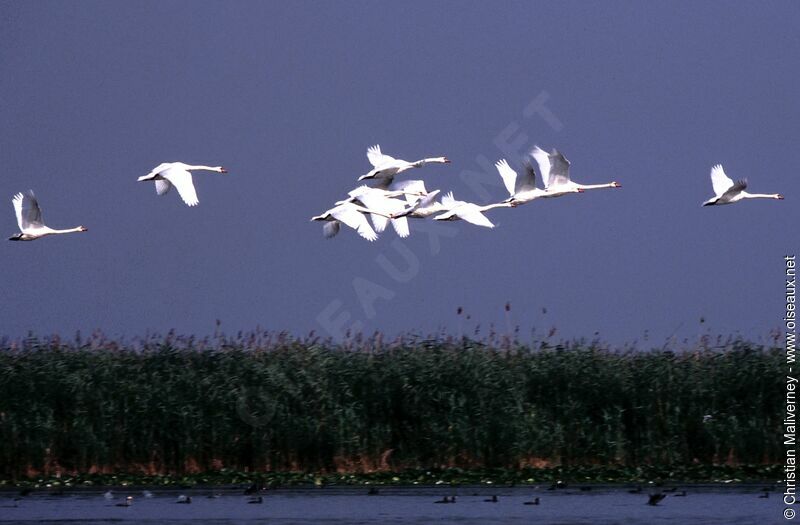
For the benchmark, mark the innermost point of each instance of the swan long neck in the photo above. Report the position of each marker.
(746, 195)
(496, 205)
(597, 186)
(77, 229)
(207, 168)
(430, 160)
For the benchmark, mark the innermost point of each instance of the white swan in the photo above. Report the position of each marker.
(423, 207)
(554, 168)
(467, 211)
(522, 189)
(177, 174)
(351, 215)
(353, 195)
(385, 166)
(29, 219)
(728, 192)
(385, 209)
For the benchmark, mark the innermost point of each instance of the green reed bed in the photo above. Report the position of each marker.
(445, 407)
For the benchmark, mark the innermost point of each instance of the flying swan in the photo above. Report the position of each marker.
(522, 189)
(177, 174)
(728, 192)
(554, 168)
(29, 219)
(386, 167)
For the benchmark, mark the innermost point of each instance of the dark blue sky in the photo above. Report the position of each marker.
(288, 96)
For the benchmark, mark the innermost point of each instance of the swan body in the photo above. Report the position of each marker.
(386, 167)
(727, 192)
(554, 168)
(467, 211)
(423, 207)
(385, 209)
(29, 219)
(351, 215)
(179, 175)
(365, 190)
(522, 189)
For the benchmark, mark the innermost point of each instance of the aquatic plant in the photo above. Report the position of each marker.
(269, 402)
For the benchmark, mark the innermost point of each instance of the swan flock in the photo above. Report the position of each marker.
(390, 201)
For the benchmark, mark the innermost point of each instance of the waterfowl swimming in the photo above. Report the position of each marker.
(534, 502)
(493, 499)
(184, 499)
(127, 503)
(256, 500)
(655, 498)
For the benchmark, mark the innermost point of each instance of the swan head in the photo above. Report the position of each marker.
(778, 196)
(15, 237)
(444, 160)
(222, 170)
(318, 218)
(580, 190)
(616, 184)
(83, 229)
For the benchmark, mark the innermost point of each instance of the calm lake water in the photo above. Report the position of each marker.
(706, 504)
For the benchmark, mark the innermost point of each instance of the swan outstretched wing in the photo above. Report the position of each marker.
(376, 158)
(526, 181)
(542, 158)
(330, 229)
(559, 169)
(182, 180)
(353, 218)
(721, 182)
(400, 226)
(162, 186)
(508, 175)
(29, 215)
(735, 189)
(473, 216)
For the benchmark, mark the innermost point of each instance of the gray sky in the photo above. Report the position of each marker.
(288, 96)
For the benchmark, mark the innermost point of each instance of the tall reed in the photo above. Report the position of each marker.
(269, 401)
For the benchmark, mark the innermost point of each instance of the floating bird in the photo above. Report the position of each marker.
(351, 215)
(177, 174)
(522, 189)
(386, 167)
(254, 488)
(29, 219)
(535, 501)
(554, 168)
(446, 499)
(127, 503)
(184, 499)
(728, 192)
(256, 500)
(557, 485)
(655, 498)
(467, 211)
(493, 499)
